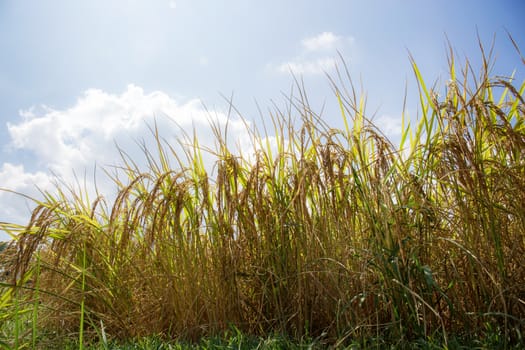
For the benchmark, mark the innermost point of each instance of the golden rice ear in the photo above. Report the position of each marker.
(7, 262)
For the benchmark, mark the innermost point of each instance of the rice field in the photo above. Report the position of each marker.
(331, 235)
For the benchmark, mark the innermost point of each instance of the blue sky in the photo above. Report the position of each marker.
(78, 76)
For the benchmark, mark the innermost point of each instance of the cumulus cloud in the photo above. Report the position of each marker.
(15, 208)
(15, 178)
(317, 54)
(75, 137)
(69, 142)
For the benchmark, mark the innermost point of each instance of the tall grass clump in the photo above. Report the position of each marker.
(331, 234)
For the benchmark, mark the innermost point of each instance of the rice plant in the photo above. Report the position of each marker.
(332, 234)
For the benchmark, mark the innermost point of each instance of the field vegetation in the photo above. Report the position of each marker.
(335, 237)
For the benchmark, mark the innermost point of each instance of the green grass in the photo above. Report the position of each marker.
(235, 340)
(331, 237)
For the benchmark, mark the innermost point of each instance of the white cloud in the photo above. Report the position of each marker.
(391, 126)
(315, 66)
(71, 141)
(15, 208)
(323, 41)
(86, 132)
(15, 178)
(318, 54)
(173, 4)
